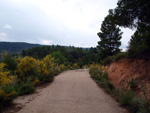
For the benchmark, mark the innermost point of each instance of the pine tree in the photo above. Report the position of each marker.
(110, 36)
(139, 45)
(135, 13)
(129, 13)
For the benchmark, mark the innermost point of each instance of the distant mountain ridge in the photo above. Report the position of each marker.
(16, 47)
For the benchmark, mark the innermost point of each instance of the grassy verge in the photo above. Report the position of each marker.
(126, 98)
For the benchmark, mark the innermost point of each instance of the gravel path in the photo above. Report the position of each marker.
(71, 92)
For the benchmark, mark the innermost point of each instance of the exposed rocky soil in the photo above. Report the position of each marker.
(121, 72)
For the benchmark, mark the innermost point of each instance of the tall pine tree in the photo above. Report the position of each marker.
(130, 13)
(135, 13)
(139, 45)
(110, 36)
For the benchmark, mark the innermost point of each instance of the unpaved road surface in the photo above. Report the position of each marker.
(71, 92)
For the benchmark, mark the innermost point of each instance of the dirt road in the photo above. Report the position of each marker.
(71, 92)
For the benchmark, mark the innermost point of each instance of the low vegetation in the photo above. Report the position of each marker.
(126, 98)
(20, 76)
(100, 75)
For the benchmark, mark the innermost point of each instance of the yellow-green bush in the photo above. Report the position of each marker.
(26, 69)
(42, 71)
(59, 68)
(29, 73)
(6, 96)
(62, 67)
(30, 69)
(48, 63)
(75, 66)
(5, 77)
(95, 71)
(100, 75)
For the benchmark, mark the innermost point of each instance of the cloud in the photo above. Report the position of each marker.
(85, 16)
(68, 36)
(46, 42)
(3, 34)
(62, 22)
(3, 39)
(124, 49)
(127, 33)
(7, 26)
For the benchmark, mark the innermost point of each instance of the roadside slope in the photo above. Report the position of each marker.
(71, 92)
(123, 71)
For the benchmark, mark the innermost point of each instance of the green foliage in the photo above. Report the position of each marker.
(134, 103)
(100, 75)
(7, 97)
(139, 105)
(25, 88)
(119, 56)
(125, 98)
(108, 60)
(136, 14)
(30, 69)
(58, 58)
(7, 92)
(104, 82)
(65, 55)
(131, 84)
(8, 89)
(104, 75)
(27, 73)
(11, 63)
(129, 13)
(140, 42)
(26, 69)
(110, 36)
(5, 77)
(95, 71)
(15, 47)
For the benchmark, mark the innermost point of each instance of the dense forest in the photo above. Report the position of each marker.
(65, 55)
(15, 47)
(62, 54)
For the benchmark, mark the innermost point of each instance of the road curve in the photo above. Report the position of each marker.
(72, 92)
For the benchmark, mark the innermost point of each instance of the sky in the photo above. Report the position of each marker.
(63, 22)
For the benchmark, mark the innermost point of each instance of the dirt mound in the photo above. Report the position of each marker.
(121, 72)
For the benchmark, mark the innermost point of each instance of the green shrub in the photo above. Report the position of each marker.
(125, 98)
(116, 57)
(104, 82)
(131, 84)
(95, 71)
(7, 97)
(139, 105)
(120, 56)
(48, 78)
(56, 70)
(100, 75)
(108, 60)
(11, 63)
(104, 75)
(8, 89)
(25, 88)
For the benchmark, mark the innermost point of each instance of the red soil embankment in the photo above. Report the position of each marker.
(121, 72)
